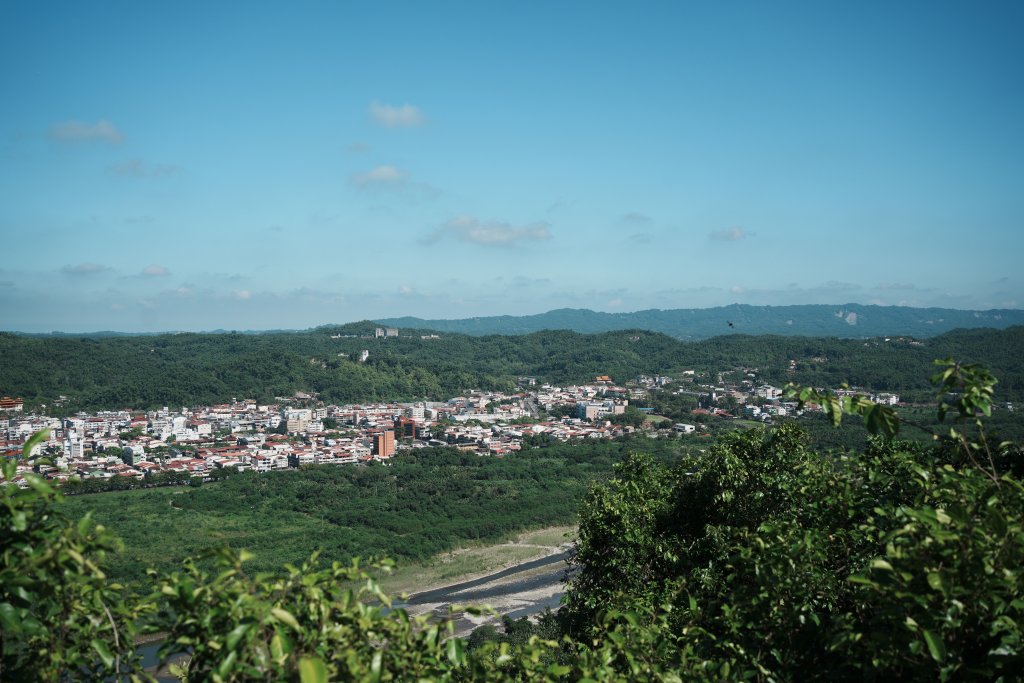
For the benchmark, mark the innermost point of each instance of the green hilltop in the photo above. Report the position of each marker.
(207, 368)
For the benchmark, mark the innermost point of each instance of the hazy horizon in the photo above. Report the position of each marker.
(339, 323)
(199, 166)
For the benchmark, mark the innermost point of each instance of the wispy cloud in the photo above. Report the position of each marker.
(358, 148)
(155, 270)
(386, 178)
(895, 286)
(404, 116)
(730, 235)
(520, 281)
(137, 168)
(641, 238)
(634, 218)
(84, 269)
(490, 233)
(380, 176)
(839, 286)
(80, 131)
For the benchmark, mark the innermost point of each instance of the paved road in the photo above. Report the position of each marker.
(519, 591)
(460, 592)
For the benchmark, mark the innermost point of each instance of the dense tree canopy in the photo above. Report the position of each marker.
(203, 369)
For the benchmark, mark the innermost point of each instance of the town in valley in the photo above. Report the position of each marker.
(192, 444)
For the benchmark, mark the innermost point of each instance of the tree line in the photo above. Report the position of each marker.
(201, 369)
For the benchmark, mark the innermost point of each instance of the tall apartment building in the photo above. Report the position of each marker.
(384, 444)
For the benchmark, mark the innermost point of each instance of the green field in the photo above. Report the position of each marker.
(414, 511)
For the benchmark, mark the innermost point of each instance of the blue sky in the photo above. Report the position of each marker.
(195, 166)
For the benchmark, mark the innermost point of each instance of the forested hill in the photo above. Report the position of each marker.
(848, 320)
(191, 369)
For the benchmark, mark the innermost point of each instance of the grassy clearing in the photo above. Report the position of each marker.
(551, 536)
(465, 563)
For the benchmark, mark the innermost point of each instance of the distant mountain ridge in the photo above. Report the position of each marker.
(817, 320)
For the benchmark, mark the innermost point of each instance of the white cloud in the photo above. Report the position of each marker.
(137, 168)
(84, 269)
(242, 294)
(405, 290)
(380, 176)
(737, 290)
(155, 270)
(80, 131)
(490, 233)
(405, 116)
(730, 235)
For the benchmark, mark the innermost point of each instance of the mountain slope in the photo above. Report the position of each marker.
(848, 320)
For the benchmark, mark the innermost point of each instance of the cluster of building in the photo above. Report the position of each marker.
(301, 430)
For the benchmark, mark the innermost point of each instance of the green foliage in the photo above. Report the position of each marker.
(772, 562)
(61, 617)
(189, 369)
(631, 417)
(309, 624)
